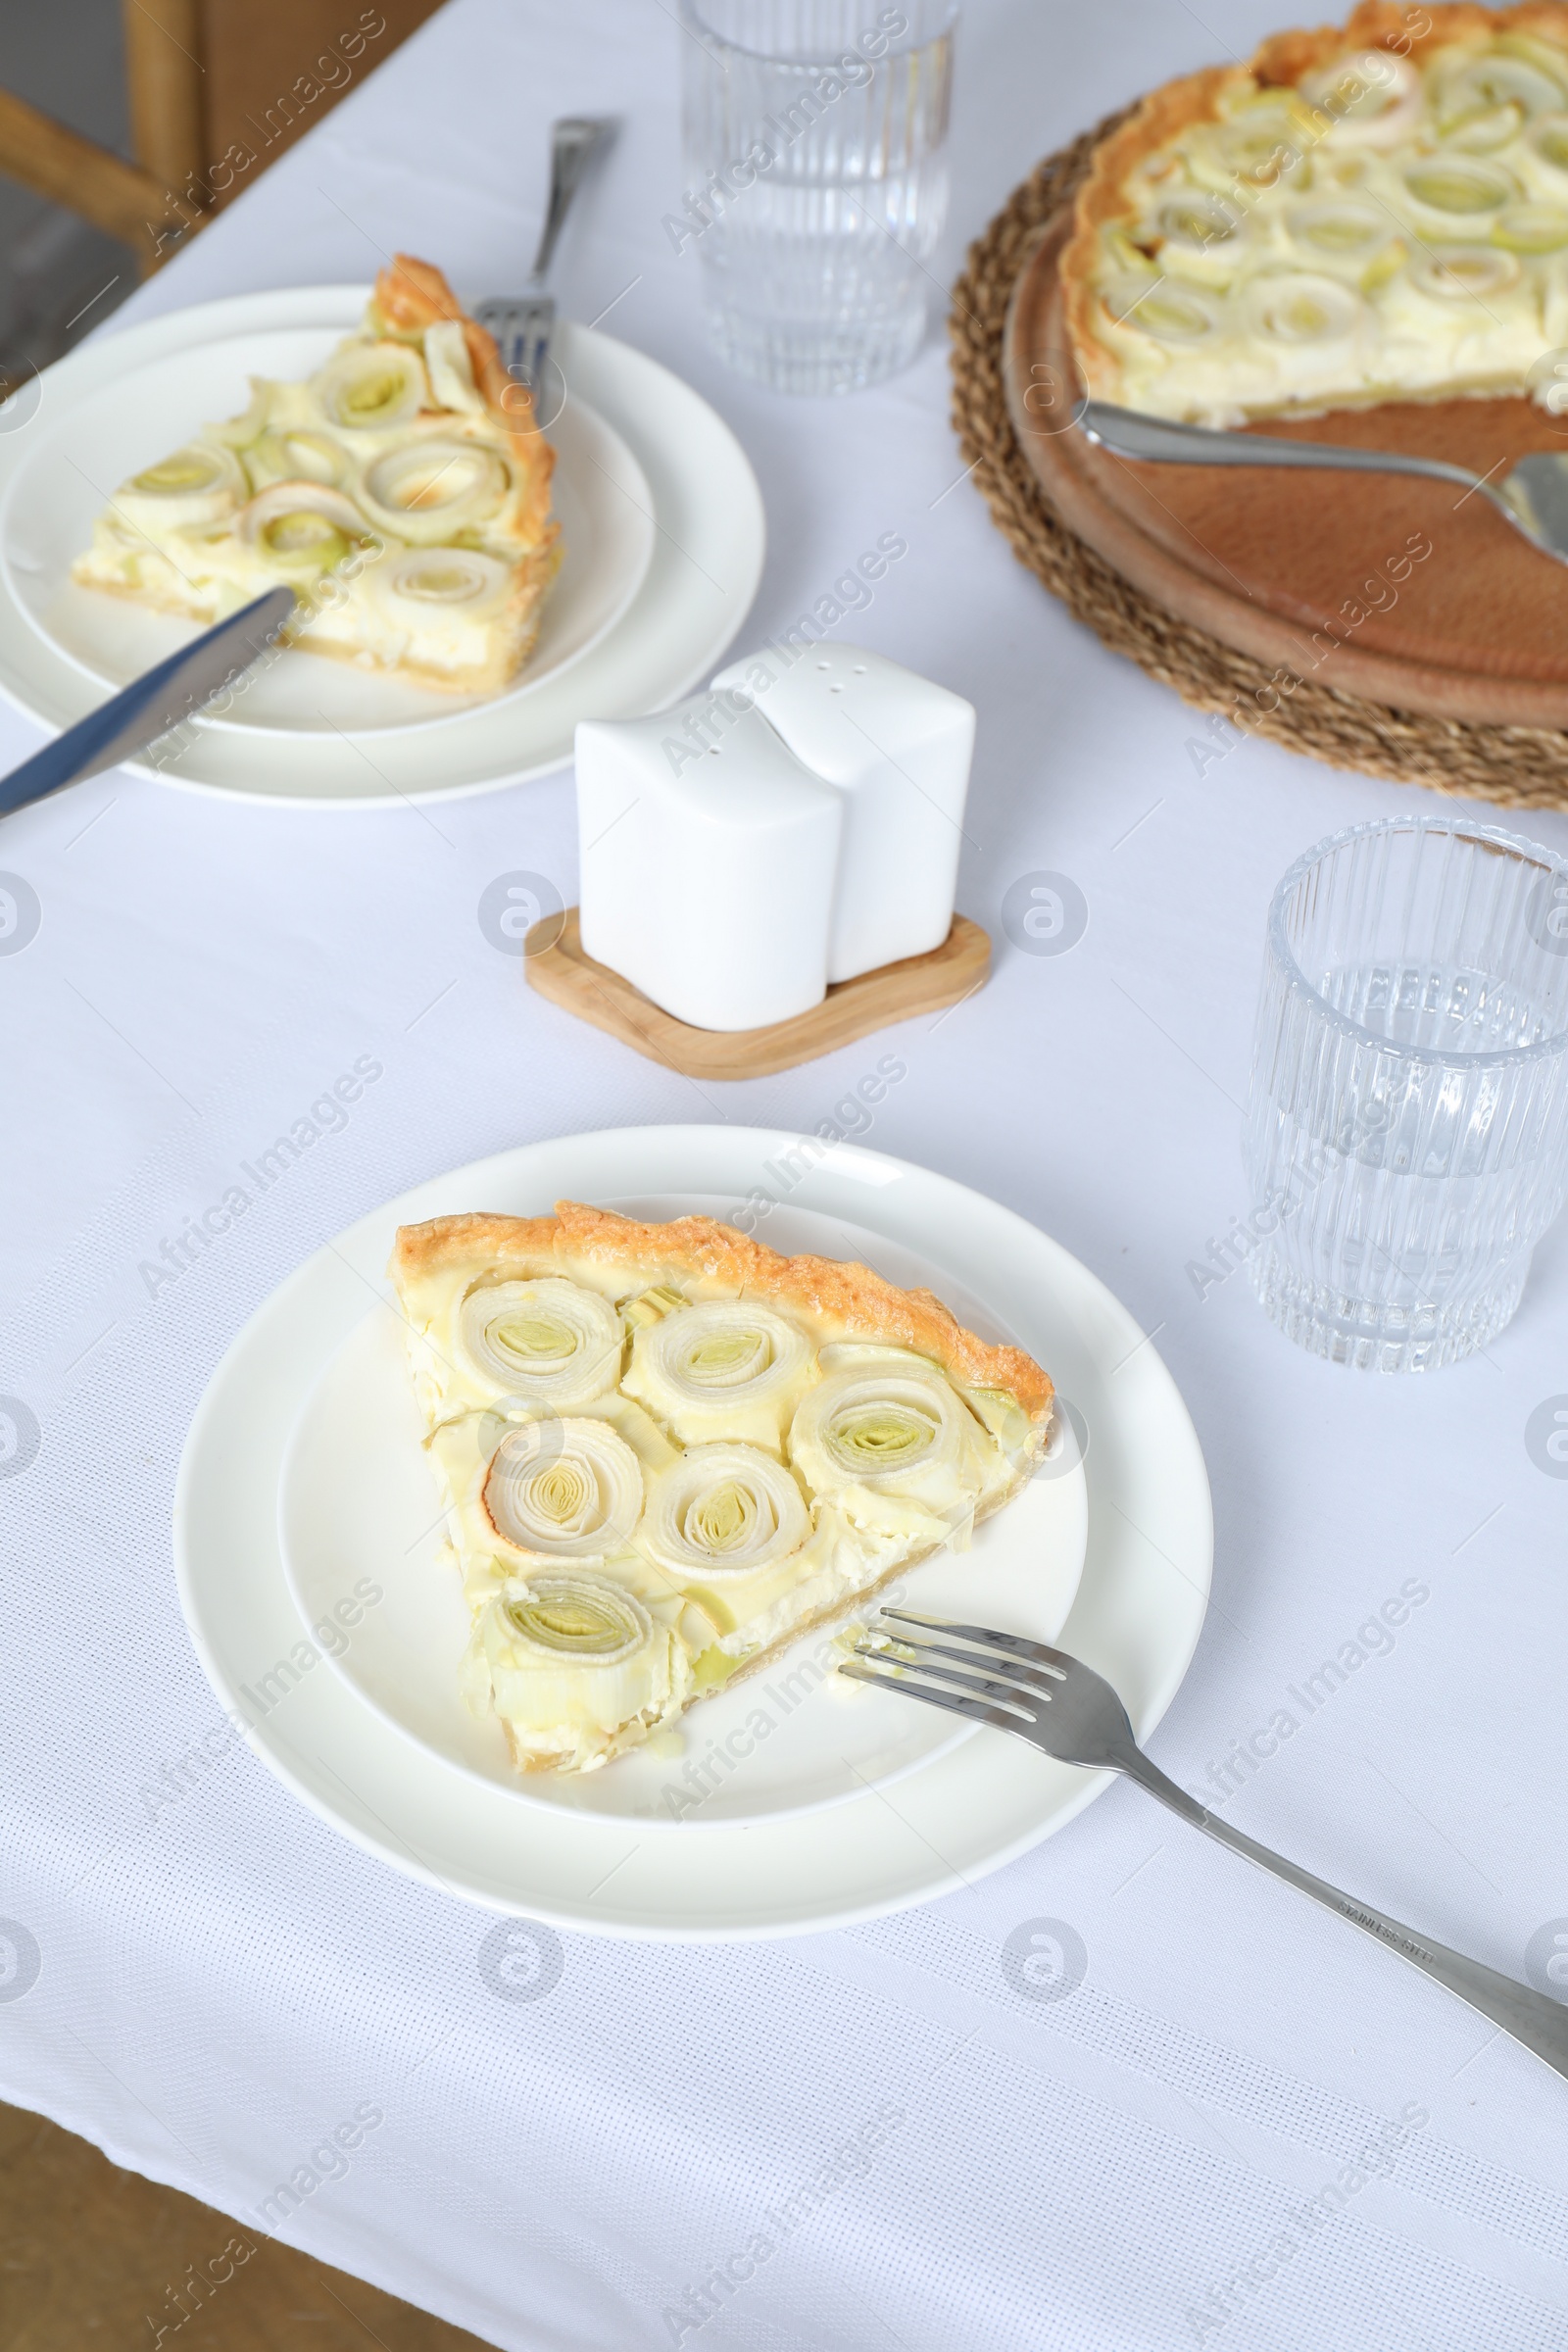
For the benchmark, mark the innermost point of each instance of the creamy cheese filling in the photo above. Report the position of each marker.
(382, 490)
(1392, 230)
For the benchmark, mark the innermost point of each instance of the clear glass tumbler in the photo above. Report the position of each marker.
(1407, 1137)
(815, 156)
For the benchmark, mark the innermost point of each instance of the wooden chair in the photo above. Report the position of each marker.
(218, 90)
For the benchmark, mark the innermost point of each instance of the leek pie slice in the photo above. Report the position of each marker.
(403, 493)
(1361, 214)
(664, 1453)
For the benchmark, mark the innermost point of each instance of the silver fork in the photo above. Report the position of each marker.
(1059, 1706)
(522, 323)
(1533, 494)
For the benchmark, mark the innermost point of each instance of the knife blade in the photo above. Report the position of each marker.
(152, 704)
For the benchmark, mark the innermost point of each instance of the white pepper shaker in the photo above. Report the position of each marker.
(899, 748)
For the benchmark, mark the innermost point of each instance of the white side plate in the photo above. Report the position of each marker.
(964, 1810)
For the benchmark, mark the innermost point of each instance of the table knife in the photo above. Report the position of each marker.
(176, 690)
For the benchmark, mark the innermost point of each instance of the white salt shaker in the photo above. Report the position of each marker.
(708, 854)
(899, 748)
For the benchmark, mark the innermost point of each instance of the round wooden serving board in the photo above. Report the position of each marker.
(1403, 592)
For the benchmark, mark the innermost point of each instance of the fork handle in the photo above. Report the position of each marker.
(1539, 2022)
(1128, 433)
(572, 141)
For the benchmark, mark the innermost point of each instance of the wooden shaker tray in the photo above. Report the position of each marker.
(555, 965)
(1319, 575)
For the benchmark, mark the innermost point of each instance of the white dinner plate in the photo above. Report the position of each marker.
(739, 1862)
(358, 1501)
(661, 513)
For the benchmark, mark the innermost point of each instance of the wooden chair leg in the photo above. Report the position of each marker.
(165, 74)
(59, 164)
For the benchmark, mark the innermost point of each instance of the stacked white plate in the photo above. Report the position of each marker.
(660, 513)
(307, 1527)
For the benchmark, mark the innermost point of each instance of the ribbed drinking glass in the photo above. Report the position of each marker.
(1407, 1137)
(815, 158)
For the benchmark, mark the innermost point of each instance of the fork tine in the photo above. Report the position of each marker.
(522, 328)
(1012, 1642)
(1027, 1703)
(1037, 1681)
(542, 327)
(975, 1709)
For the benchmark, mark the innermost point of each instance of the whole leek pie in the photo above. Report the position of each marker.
(665, 1453)
(403, 492)
(1372, 213)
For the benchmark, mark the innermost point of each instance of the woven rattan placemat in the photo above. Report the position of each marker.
(1518, 768)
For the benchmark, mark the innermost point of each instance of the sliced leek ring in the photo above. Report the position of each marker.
(372, 387)
(1171, 314)
(301, 528)
(1488, 129)
(583, 1618)
(200, 484)
(1342, 228)
(1549, 140)
(1194, 220)
(1459, 185)
(723, 1511)
(1463, 272)
(428, 489)
(1371, 99)
(575, 1666)
(1257, 147)
(897, 1433)
(451, 369)
(1532, 228)
(551, 1344)
(1547, 55)
(1497, 78)
(1302, 305)
(648, 1306)
(295, 455)
(1200, 236)
(724, 1368)
(564, 1490)
(419, 584)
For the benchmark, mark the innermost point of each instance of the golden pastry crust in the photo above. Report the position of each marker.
(516, 1246)
(1282, 61)
(1153, 123)
(844, 1300)
(412, 295)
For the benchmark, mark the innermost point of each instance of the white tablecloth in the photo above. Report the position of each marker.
(1202, 2142)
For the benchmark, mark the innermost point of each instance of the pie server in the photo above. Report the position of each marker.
(1533, 495)
(152, 704)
